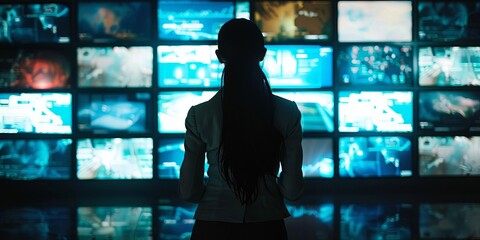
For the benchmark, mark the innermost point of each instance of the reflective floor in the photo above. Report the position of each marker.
(313, 217)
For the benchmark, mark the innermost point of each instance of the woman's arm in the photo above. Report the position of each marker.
(191, 183)
(291, 180)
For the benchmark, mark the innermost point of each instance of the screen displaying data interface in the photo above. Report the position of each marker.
(111, 21)
(110, 113)
(375, 157)
(294, 20)
(375, 65)
(115, 67)
(380, 111)
(35, 159)
(298, 66)
(188, 66)
(115, 158)
(34, 23)
(173, 108)
(35, 113)
(193, 20)
(449, 155)
(374, 21)
(170, 154)
(449, 66)
(36, 69)
(442, 111)
(316, 109)
(114, 222)
(443, 21)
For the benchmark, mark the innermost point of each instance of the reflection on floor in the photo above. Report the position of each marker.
(313, 217)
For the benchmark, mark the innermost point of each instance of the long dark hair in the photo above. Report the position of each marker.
(250, 145)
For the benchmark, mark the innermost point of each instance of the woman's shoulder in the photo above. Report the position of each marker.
(281, 102)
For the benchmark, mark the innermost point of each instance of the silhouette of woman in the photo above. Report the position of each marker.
(246, 132)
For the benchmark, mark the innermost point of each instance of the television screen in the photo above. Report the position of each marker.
(316, 109)
(294, 20)
(192, 20)
(449, 111)
(298, 66)
(449, 66)
(375, 221)
(111, 21)
(375, 157)
(176, 220)
(114, 223)
(170, 157)
(36, 69)
(35, 159)
(242, 9)
(115, 158)
(34, 23)
(375, 21)
(35, 223)
(449, 221)
(448, 20)
(383, 111)
(317, 157)
(449, 155)
(35, 113)
(375, 65)
(115, 67)
(310, 220)
(189, 66)
(109, 113)
(173, 108)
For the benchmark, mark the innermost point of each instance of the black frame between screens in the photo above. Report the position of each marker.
(333, 184)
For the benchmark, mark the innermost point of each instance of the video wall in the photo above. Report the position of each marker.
(93, 90)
